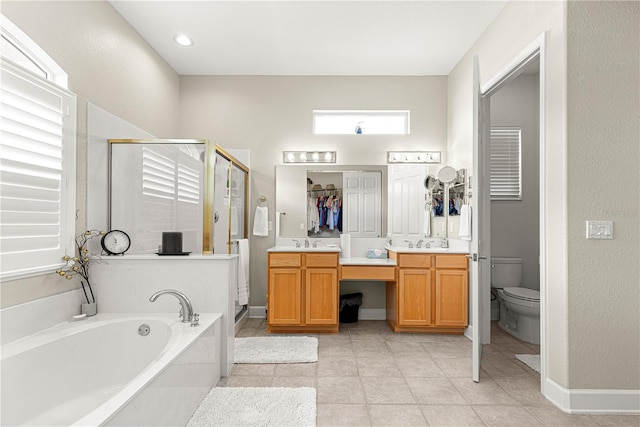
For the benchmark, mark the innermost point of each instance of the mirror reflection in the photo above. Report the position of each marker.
(325, 201)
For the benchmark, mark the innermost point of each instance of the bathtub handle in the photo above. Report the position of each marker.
(195, 319)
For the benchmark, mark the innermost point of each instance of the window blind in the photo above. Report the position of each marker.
(505, 159)
(37, 156)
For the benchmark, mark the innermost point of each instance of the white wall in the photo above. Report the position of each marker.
(603, 128)
(514, 224)
(272, 114)
(108, 64)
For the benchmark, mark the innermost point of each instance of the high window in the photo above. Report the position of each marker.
(37, 159)
(366, 122)
(506, 163)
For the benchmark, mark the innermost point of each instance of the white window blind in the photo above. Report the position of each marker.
(37, 173)
(188, 185)
(506, 175)
(158, 175)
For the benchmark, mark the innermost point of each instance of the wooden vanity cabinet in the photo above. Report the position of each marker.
(430, 295)
(302, 292)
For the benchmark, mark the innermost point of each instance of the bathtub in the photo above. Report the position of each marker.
(102, 371)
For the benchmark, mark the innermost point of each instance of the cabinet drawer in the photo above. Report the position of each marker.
(285, 260)
(414, 260)
(360, 272)
(452, 261)
(322, 260)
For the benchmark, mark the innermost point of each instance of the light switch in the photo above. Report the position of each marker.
(599, 229)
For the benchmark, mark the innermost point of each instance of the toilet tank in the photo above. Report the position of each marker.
(506, 272)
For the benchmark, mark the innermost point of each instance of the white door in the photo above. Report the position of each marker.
(479, 267)
(361, 204)
(407, 201)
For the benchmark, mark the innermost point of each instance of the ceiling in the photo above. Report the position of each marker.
(335, 38)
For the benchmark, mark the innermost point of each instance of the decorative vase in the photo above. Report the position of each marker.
(89, 309)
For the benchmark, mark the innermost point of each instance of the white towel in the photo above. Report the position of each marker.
(260, 225)
(464, 232)
(243, 272)
(426, 215)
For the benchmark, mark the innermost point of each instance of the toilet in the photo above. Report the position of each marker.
(519, 306)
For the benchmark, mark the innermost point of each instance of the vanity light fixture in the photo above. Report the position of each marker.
(183, 40)
(413, 157)
(308, 156)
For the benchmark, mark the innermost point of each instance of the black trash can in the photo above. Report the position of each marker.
(349, 306)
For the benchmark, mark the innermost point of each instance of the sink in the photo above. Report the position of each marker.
(432, 250)
(303, 249)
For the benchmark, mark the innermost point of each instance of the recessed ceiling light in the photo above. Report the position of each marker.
(183, 40)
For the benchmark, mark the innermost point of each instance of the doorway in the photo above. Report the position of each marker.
(529, 68)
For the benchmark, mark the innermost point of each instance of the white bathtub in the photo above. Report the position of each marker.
(101, 371)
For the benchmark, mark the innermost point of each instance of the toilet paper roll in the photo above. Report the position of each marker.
(345, 246)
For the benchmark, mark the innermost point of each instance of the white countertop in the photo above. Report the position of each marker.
(402, 250)
(200, 257)
(373, 262)
(303, 249)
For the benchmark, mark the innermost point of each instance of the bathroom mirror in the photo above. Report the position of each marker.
(293, 193)
(162, 185)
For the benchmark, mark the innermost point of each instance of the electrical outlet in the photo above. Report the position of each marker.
(269, 225)
(302, 226)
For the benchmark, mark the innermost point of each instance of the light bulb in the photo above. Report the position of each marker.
(183, 40)
(291, 157)
(328, 156)
(303, 157)
(315, 157)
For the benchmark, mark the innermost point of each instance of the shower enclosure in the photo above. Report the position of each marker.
(230, 204)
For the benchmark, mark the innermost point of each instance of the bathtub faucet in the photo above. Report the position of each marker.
(186, 312)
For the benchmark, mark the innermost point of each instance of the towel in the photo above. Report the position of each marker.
(426, 229)
(260, 225)
(243, 272)
(464, 232)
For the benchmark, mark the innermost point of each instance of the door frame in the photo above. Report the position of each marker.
(536, 49)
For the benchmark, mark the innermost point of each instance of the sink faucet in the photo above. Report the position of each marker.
(186, 312)
(306, 242)
(410, 243)
(315, 243)
(297, 242)
(419, 244)
(445, 242)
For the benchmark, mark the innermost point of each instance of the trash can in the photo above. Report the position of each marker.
(349, 305)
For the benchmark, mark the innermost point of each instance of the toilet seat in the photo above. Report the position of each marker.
(524, 294)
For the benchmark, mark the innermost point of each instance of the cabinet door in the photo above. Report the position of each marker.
(321, 296)
(284, 296)
(414, 297)
(452, 296)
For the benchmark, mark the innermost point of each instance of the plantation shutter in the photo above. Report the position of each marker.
(506, 177)
(37, 153)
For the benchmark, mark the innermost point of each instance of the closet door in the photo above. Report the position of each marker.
(361, 204)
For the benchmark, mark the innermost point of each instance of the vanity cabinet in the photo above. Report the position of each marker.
(302, 292)
(430, 295)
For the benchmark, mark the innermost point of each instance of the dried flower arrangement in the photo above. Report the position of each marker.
(79, 264)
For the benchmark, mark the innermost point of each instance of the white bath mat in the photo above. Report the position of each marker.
(276, 350)
(531, 360)
(256, 406)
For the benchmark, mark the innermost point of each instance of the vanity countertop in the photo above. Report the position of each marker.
(373, 262)
(303, 249)
(402, 250)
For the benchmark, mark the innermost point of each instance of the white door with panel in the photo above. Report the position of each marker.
(361, 204)
(408, 214)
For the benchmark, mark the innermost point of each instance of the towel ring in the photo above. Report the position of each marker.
(262, 201)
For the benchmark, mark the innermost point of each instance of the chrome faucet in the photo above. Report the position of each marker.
(306, 242)
(315, 243)
(297, 242)
(186, 312)
(419, 244)
(410, 243)
(445, 242)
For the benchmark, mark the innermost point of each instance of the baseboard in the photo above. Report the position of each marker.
(372, 314)
(257, 312)
(592, 401)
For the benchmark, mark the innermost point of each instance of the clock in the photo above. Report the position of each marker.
(116, 242)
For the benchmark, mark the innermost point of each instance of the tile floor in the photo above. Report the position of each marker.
(369, 376)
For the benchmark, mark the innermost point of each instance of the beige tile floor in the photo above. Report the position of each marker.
(369, 376)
